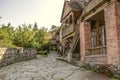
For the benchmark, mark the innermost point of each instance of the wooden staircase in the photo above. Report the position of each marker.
(76, 49)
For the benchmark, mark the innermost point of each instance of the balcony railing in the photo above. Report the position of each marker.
(97, 50)
(67, 30)
(93, 4)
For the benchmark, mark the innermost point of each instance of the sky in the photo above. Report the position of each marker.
(44, 12)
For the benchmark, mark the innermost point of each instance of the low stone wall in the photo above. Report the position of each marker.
(13, 55)
(109, 70)
(115, 69)
(98, 63)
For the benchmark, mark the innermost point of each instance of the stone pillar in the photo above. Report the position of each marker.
(85, 39)
(112, 25)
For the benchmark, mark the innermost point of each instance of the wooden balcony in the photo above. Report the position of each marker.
(68, 30)
(93, 4)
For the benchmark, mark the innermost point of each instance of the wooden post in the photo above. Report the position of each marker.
(73, 23)
(73, 18)
(97, 32)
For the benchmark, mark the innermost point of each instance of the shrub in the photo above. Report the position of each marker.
(105, 70)
(42, 52)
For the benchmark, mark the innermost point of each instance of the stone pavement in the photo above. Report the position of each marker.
(47, 68)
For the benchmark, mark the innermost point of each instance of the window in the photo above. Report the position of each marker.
(98, 35)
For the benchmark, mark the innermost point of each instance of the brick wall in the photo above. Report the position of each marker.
(112, 23)
(96, 59)
(117, 13)
(85, 39)
(13, 55)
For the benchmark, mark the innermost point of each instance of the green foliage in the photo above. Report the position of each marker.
(24, 36)
(6, 36)
(45, 52)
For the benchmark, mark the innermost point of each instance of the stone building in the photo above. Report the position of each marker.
(91, 29)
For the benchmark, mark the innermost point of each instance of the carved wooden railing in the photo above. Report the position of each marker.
(67, 30)
(93, 4)
(97, 50)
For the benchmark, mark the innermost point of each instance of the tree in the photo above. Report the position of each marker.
(35, 27)
(23, 35)
(54, 29)
(6, 36)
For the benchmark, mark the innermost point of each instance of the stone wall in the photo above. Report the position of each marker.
(106, 69)
(13, 55)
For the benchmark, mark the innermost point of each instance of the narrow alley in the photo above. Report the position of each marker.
(47, 68)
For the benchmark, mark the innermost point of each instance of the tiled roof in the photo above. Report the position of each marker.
(75, 6)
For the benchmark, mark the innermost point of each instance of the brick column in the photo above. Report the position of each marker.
(112, 23)
(85, 39)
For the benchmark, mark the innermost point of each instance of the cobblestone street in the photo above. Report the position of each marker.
(47, 68)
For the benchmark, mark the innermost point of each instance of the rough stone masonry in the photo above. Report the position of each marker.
(13, 55)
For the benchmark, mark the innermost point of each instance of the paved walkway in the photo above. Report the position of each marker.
(47, 68)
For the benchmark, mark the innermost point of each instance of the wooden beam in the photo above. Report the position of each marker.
(73, 18)
(97, 32)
